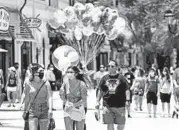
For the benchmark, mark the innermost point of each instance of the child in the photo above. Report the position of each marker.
(151, 91)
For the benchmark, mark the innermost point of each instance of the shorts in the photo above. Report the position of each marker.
(114, 115)
(39, 111)
(11, 89)
(53, 85)
(152, 98)
(165, 97)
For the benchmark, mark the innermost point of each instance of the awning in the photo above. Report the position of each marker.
(3, 50)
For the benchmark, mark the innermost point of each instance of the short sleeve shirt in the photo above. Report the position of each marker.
(114, 90)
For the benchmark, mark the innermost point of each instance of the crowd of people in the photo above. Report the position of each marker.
(117, 88)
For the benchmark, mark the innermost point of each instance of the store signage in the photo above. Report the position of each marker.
(33, 22)
(4, 20)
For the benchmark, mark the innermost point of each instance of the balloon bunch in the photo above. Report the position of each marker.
(85, 27)
(79, 20)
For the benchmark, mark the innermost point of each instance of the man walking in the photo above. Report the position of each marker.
(114, 90)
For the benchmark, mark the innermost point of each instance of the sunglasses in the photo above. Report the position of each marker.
(111, 66)
(70, 72)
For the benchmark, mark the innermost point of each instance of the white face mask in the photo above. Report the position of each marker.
(70, 74)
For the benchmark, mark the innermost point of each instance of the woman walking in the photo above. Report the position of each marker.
(138, 87)
(166, 90)
(74, 95)
(41, 107)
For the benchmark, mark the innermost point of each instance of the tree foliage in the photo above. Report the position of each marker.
(146, 20)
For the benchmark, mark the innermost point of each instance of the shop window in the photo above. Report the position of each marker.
(6, 59)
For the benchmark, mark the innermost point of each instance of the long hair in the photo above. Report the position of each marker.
(165, 69)
(79, 76)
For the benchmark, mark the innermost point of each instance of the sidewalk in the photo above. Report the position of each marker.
(91, 101)
(57, 102)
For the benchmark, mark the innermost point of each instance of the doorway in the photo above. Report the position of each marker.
(26, 57)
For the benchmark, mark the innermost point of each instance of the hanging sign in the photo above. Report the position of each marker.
(33, 22)
(4, 20)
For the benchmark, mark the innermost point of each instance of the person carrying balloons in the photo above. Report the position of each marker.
(74, 95)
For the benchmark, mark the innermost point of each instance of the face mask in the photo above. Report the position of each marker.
(41, 75)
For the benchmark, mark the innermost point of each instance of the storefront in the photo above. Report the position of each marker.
(6, 39)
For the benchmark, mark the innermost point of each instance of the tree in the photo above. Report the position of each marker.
(147, 24)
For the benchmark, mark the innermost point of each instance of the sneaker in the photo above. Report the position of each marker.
(141, 109)
(13, 105)
(149, 116)
(9, 105)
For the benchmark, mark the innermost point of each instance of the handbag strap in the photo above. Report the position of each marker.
(30, 103)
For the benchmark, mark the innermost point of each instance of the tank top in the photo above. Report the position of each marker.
(12, 81)
(42, 96)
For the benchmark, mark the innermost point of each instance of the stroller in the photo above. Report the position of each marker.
(176, 106)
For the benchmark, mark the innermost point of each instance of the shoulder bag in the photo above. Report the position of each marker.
(26, 112)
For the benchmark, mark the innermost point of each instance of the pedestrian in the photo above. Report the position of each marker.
(138, 88)
(166, 89)
(74, 95)
(114, 90)
(1, 87)
(98, 75)
(50, 76)
(130, 78)
(41, 108)
(1, 81)
(11, 86)
(152, 91)
(19, 85)
(176, 102)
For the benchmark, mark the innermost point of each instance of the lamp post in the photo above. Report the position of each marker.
(172, 22)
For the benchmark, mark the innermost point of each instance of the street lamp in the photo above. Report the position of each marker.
(172, 22)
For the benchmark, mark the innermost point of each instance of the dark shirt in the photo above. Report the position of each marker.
(129, 77)
(114, 90)
(152, 84)
(12, 81)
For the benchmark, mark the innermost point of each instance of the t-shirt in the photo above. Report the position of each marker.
(114, 90)
(129, 77)
(152, 84)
